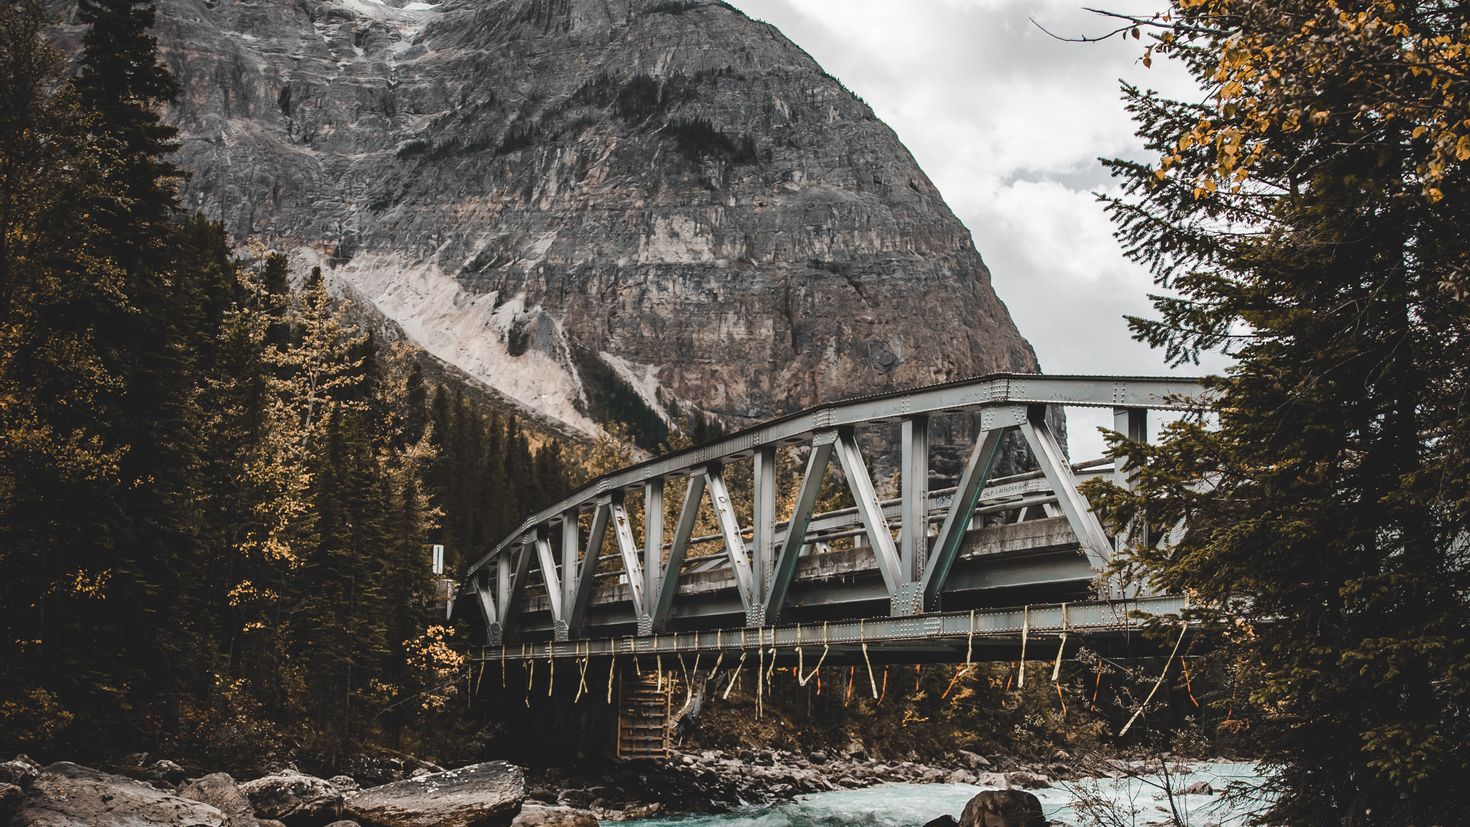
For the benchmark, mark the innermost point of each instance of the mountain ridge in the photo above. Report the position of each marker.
(591, 206)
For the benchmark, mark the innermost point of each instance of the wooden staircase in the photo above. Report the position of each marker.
(643, 717)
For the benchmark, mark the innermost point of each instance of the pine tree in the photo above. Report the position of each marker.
(1309, 218)
(58, 389)
(122, 81)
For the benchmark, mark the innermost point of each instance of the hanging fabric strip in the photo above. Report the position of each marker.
(1183, 629)
(734, 676)
(1056, 669)
(802, 678)
(970, 639)
(582, 674)
(1025, 631)
(872, 680)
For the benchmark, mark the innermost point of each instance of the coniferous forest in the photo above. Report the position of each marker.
(216, 493)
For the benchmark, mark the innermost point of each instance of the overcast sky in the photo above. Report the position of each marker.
(1009, 124)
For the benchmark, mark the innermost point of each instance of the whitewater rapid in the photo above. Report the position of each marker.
(1134, 800)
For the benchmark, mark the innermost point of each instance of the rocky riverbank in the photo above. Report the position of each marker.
(491, 793)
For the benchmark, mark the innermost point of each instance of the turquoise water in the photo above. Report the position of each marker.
(1133, 800)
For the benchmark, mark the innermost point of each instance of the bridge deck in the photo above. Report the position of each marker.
(992, 634)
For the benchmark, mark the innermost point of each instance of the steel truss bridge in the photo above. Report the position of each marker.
(933, 575)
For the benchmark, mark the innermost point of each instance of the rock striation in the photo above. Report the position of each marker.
(66, 794)
(297, 799)
(479, 795)
(602, 209)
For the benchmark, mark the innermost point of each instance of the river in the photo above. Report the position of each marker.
(1127, 801)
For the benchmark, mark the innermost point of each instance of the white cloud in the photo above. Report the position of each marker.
(1009, 123)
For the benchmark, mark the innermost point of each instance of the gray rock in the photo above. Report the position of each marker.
(480, 794)
(268, 822)
(66, 795)
(755, 238)
(960, 777)
(10, 798)
(1198, 788)
(992, 779)
(974, 760)
(345, 783)
(344, 823)
(294, 798)
(1003, 808)
(1028, 780)
(575, 798)
(19, 771)
(166, 771)
(218, 790)
(535, 815)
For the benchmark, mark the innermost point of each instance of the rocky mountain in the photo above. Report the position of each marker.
(602, 209)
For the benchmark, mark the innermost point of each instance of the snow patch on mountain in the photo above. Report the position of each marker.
(468, 330)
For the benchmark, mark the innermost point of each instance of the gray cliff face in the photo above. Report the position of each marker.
(559, 196)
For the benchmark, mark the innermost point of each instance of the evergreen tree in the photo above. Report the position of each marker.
(1310, 218)
(122, 81)
(58, 391)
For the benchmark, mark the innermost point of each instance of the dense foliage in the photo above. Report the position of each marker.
(1311, 216)
(216, 493)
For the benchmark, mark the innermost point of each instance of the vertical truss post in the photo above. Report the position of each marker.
(1058, 473)
(957, 518)
(587, 573)
(1133, 424)
(548, 574)
(487, 608)
(504, 572)
(511, 605)
(869, 509)
(668, 584)
(628, 551)
(569, 538)
(719, 497)
(913, 529)
(763, 531)
(784, 568)
(653, 549)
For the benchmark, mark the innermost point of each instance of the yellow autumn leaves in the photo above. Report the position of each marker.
(1294, 72)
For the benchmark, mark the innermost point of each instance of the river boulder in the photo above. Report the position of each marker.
(294, 798)
(1003, 808)
(20, 771)
(66, 794)
(540, 815)
(10, 798)
(479, 795)
(219, 791)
